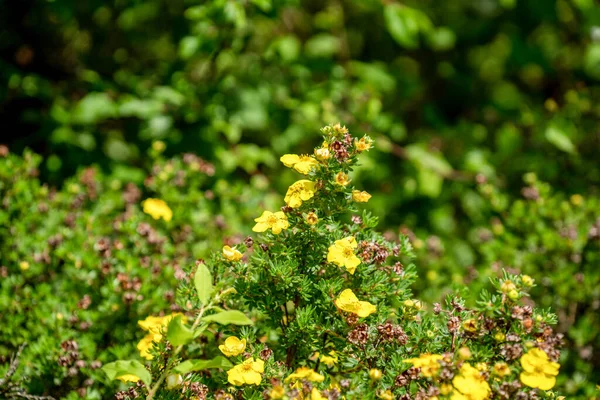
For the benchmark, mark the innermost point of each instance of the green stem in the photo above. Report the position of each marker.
(163, 376)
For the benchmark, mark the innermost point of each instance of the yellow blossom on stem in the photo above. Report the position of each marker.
(470, 384)
(277, 392)
(154, 326)
(322, 153)
(298, 192)
(302, 164)
(501, 369)
(429, 364)
(347, 301)
(233, 346)
(539, 372)
(329, 360)
(232, 254)
(157, 209)
(342, 179)
(305, 373)
(276, 221)
(363, 144)
(386, 395)
(128, 378)
(247, 373)
(316, 395)
(311, 218)
(360, 197)
(342, 254)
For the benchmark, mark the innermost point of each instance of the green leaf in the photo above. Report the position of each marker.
(119, 368)
(233, 317)
(178, 333)
(559, 139)
(199, 365)
(203, 283)
(435, 162)
(404, 24)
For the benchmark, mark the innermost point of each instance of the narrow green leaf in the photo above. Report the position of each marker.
(233, 317)
(178, 333)
(199, 365)
(119, 368)
(559, 139)
(203, 283)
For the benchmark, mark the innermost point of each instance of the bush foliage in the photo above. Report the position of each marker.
(484, 116)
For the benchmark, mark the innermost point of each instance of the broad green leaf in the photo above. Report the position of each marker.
(233, 317)
(178, 333)
(322, 46)
(430, 183)
(405, 23)
(559, 139)
(93, 108)
(119, 368)
(435, 162)
(203, 283)
(199, 365)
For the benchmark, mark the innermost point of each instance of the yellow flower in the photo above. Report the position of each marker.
(375, 374)
(147, 343)
(277, 392)
(315, 395)
(157, 209)
(501, 369)
(24, 265)
(347, 301)
(298, 192)
(311, 218)
(247, 373)
(276, 221)
(233, 346)
(232, 254)
(360, 197)
(363, 144)
(342, 179)
(428, 363)
(303, 373)
(322, 153)
(128, 378)
(329, 360)
(302, 164)
(539, 372)
(154, 326)
(386, 395)
(445, 389)
(470, 384)
(342, 254)
(470, 325)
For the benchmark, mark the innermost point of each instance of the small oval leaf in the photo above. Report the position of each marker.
(203, 283)
(119, 368)
(233, 317)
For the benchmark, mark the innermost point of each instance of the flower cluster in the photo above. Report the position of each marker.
(333, 312)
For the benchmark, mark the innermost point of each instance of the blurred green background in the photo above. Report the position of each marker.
(485, 115)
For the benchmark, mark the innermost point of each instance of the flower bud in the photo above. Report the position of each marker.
(375, 374)
(173, 381)
(513, 295)
(464, 353)
(527, 280)
(507, 286)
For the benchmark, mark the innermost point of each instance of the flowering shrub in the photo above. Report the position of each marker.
(80, 265)
(332, 313)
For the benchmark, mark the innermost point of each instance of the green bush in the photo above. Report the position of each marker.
(82, 264)
(334, 314)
